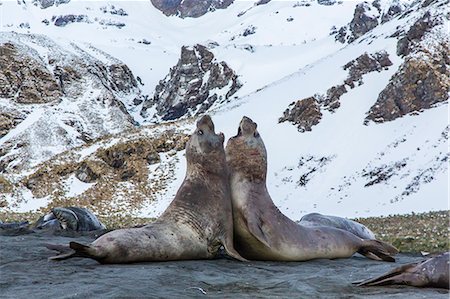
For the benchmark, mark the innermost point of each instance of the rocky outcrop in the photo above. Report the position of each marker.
(366, 17)
(49, 3)
(356, 68)
(189, 8)
(193, 85)
(25, 79)
(415, 34)
(64, 20)
(304, 114)
(418, 84)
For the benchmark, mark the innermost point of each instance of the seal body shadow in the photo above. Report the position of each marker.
(262, 232)
(194, 226)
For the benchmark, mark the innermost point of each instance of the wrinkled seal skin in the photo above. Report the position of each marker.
(430, 273)
(358, 229)
(262, 232)
(69, 218)
(194, 226)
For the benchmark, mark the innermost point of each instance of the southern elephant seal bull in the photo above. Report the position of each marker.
(262, 232)
(432, 273)
(194, 226)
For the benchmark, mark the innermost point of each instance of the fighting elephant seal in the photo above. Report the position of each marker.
(194, 226)
(358, 229)
(69, 218)
(432, 273)
(261, 231)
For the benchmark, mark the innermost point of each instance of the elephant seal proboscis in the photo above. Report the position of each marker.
(262, 232)
(358, 229)
(194, 226)
(70, 218)
(431, 273)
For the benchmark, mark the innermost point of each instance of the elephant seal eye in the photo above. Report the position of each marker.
(200, 132)
(256, 134)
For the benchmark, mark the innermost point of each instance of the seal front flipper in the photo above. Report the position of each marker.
(229, 248)
(255, 227)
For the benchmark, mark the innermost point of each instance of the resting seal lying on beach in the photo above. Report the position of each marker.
(69, 218)
(262, 232)
(431, 273)
(194, 226)
(358, 229)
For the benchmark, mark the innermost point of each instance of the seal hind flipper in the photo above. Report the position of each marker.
(394, 276)
(65, 252)
(380, 249)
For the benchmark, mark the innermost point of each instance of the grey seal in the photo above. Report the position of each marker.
(70, 218)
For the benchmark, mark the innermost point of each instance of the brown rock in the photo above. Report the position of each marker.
(304, 114)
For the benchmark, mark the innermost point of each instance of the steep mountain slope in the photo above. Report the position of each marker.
(363, 153)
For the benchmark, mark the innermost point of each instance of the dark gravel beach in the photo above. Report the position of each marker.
(26, 273)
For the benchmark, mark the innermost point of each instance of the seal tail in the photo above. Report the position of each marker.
(395, 276)
(378, 250)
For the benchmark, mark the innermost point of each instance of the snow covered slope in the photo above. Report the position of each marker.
(282, 52)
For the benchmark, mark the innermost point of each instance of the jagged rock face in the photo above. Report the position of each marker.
(304, 114)
(25, 79)
(189, 8)
(365, 19)
(9, 120)
(415, 34)
(193, 85)
(418, 84)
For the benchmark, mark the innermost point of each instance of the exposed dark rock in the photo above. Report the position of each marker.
(189, 8)
(117, 24)
(365, 64)
(85, 173)
(48, 3)
(8, 121)
(262, 2)
(24, 78)
(418, 84)
(188, 88)
(363, 21)
(415, 34)
(393, 11)
(303, 113)
(62, 21)
(326, 2)
(382, 173)
(114, 10)
(306, 113)
(249, 31)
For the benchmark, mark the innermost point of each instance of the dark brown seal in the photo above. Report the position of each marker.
(194, 226)
(262, 232)
(431, 273)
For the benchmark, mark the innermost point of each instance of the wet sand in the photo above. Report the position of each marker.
(25, 272)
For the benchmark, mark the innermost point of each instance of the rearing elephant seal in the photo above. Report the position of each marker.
(194, 226)
(262, 232)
